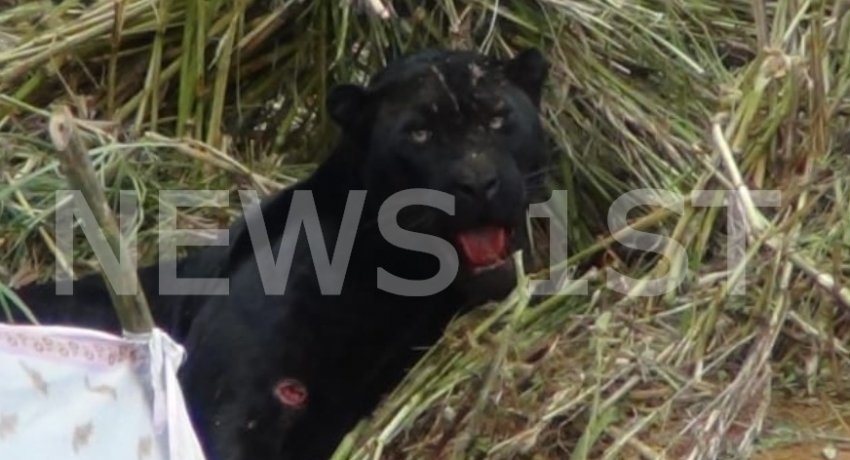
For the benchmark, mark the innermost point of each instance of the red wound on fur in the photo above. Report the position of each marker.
(291, 392)
(484, 246)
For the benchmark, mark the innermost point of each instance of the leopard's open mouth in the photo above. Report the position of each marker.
(484, 248)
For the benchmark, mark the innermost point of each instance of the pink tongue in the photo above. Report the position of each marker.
(484, 246)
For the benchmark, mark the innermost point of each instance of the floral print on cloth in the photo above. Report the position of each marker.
(68, 393)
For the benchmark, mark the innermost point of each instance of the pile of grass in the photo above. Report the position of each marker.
(679, 96)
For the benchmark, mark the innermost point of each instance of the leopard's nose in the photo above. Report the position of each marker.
(478, 187)
(475, 178)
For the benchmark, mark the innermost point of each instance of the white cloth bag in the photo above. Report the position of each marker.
(69, 393)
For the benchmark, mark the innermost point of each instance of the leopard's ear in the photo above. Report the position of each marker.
(345, 104)
(528, 70)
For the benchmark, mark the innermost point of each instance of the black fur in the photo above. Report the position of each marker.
(349, 349)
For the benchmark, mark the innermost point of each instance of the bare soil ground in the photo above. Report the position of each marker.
(815, 428)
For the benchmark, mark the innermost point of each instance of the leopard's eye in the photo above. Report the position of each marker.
(497, 122)
(420, 136)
